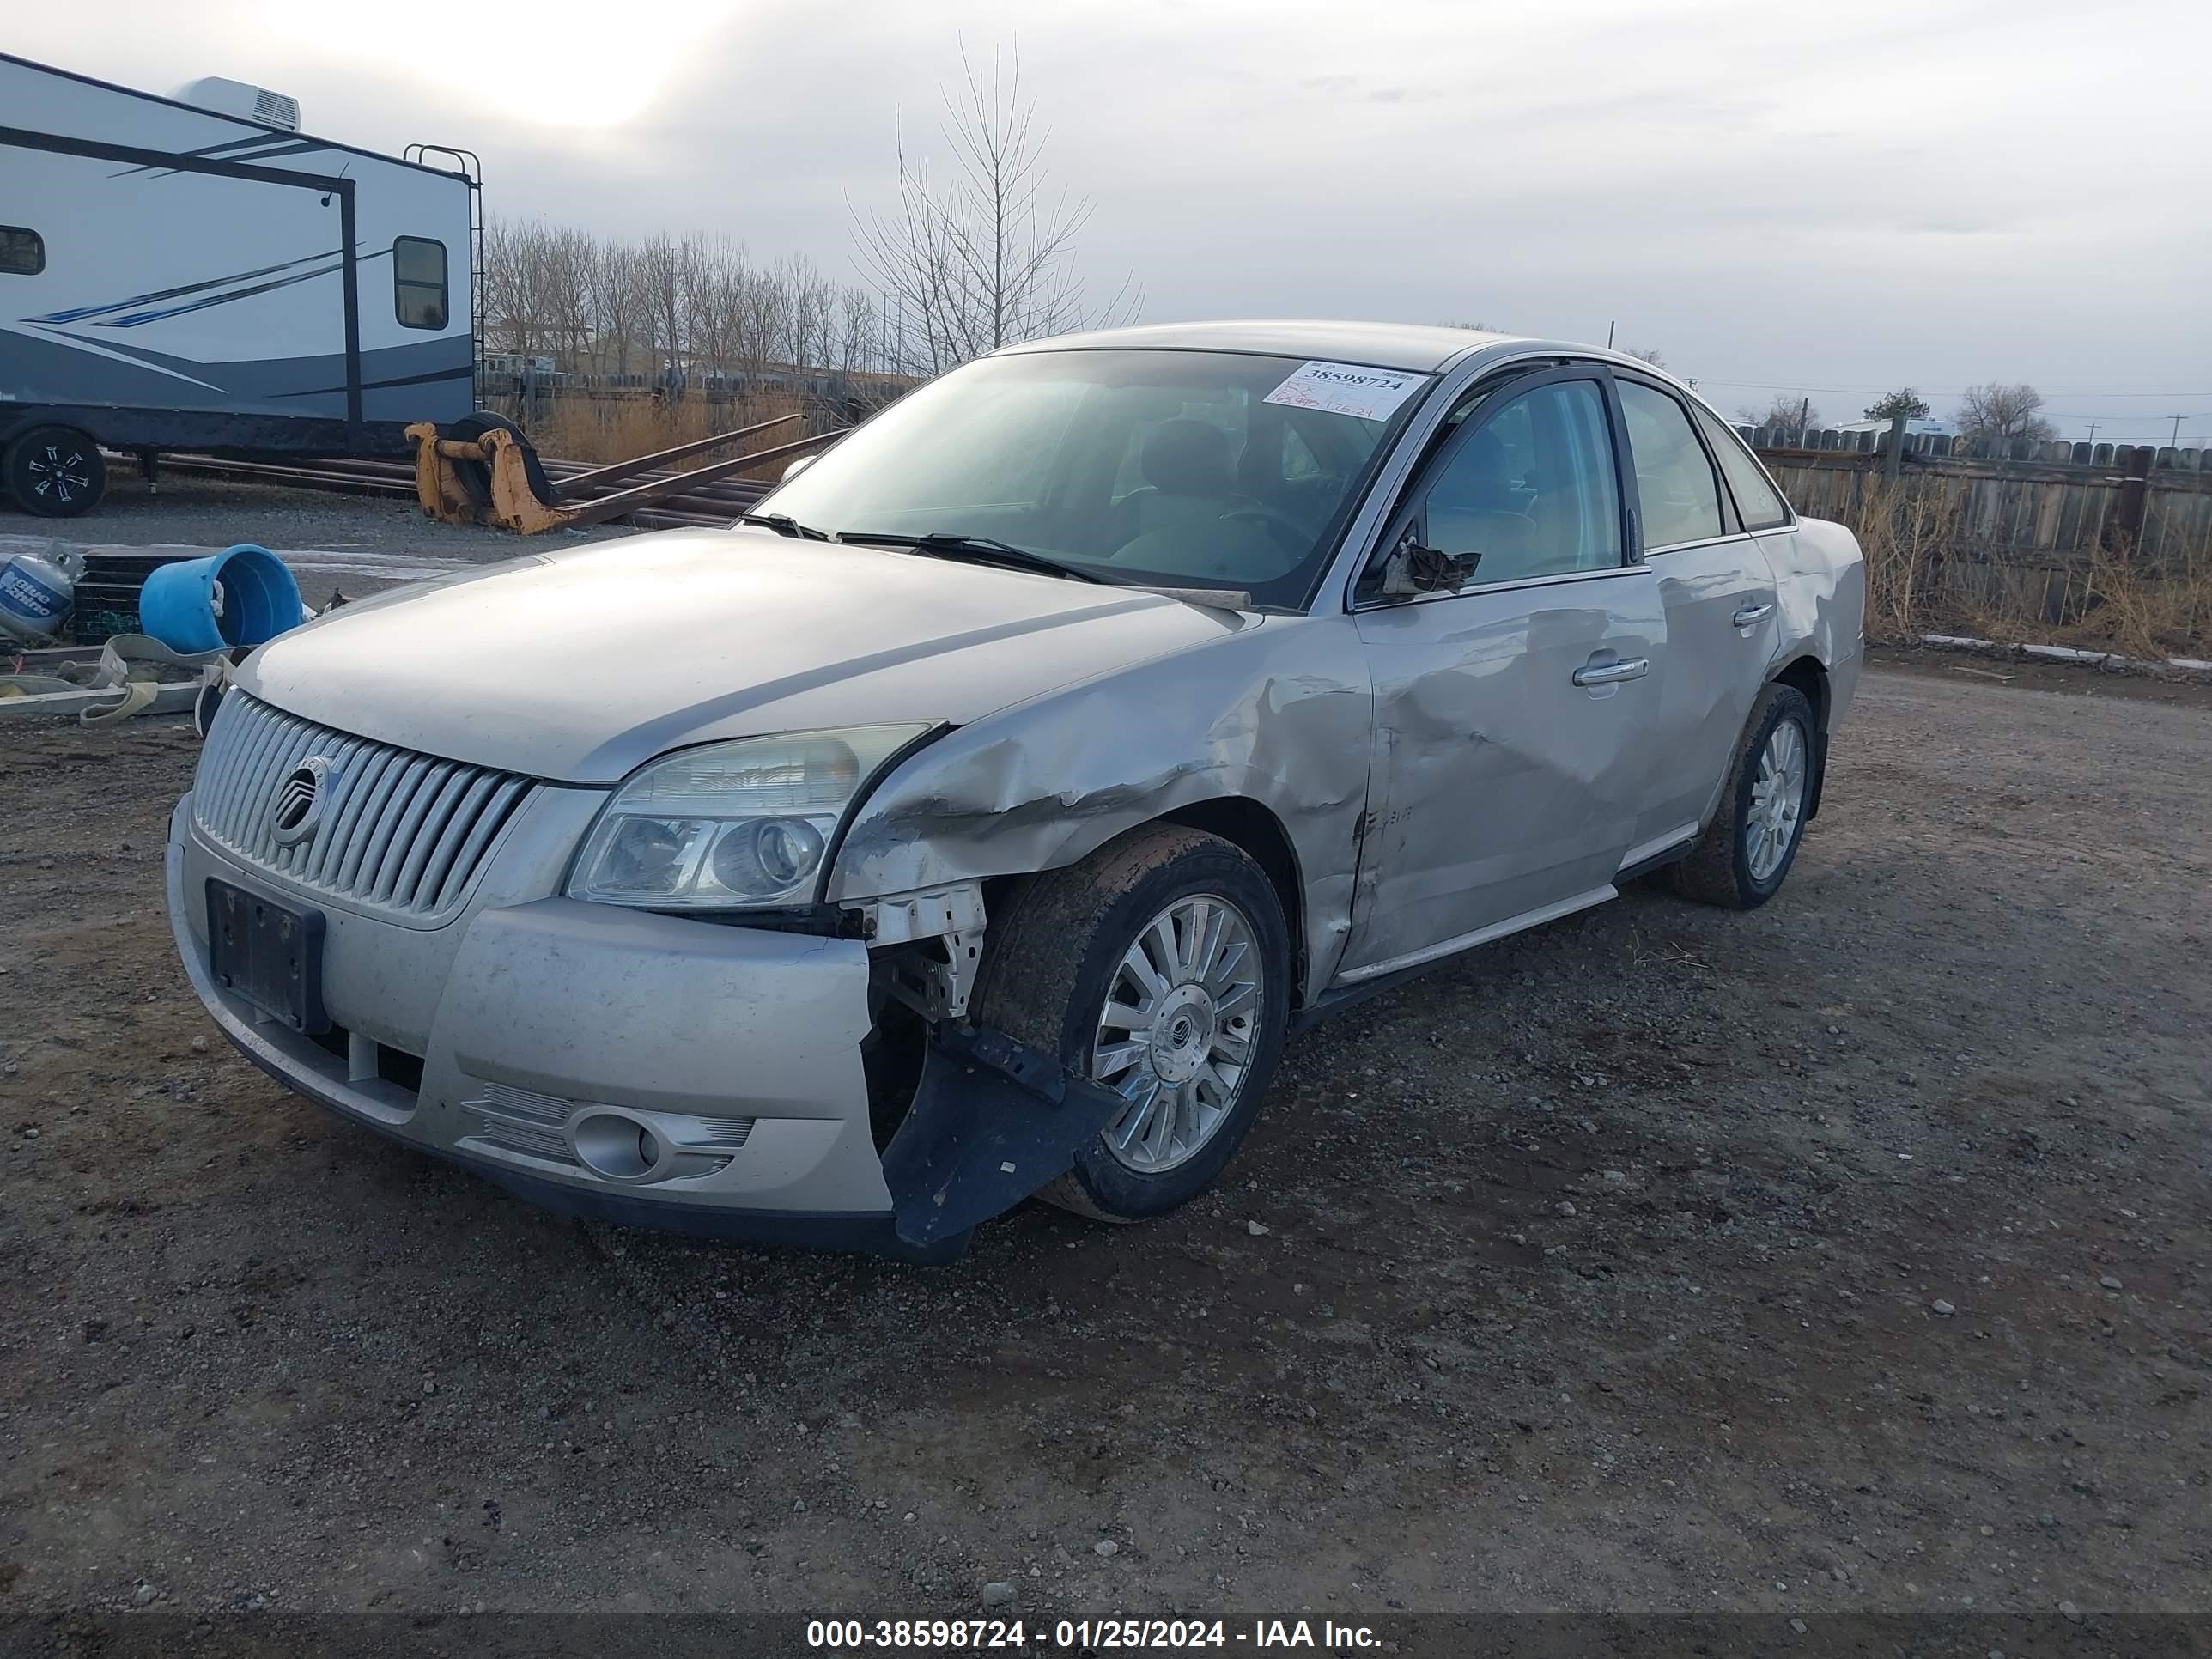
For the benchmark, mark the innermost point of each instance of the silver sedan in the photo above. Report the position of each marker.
(978, 817)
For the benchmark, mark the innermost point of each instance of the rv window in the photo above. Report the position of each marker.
(22, 253)
(418, 283)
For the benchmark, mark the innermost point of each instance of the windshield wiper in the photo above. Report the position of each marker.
(784, 524)
(986, 550)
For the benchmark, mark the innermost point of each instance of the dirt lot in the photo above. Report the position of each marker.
(1850, 1254)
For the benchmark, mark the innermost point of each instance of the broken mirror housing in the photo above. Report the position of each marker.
(731, 826)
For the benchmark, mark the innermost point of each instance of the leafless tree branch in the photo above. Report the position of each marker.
(983, 257)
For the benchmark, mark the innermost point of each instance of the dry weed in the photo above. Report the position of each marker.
(619, 429)
(1927, 572)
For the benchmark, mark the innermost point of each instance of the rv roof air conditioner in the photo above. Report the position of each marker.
(271, 109)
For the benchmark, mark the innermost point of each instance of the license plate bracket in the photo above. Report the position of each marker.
(268, 953)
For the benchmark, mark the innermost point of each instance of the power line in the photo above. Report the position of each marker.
(2071, 391)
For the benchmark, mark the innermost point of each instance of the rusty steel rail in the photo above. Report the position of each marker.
(655, 492)
(598, 475)
(495, 478)
(714, 504)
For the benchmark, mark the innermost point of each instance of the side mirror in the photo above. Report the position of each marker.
(794, 466)
(1413, 567)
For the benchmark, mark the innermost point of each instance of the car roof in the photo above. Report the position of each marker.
(1380, 345)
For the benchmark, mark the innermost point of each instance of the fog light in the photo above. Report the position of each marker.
(618, 1147)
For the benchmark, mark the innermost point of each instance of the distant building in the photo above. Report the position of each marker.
(1912, 428)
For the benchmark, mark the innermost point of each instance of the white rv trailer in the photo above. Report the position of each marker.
(180, 277)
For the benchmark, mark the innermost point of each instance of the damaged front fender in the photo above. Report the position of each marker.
(993, 1121)
(1276, 711)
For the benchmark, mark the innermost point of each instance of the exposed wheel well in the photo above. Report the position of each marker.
(1254, 828)
(1808, 676)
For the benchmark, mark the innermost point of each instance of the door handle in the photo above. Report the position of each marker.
(1612, 673)
(1753, 613)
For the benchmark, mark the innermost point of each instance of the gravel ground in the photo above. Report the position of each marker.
(1848, 1254)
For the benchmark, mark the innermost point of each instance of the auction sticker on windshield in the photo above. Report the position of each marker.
(1370, 394)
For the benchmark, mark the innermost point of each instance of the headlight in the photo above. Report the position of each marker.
(731, 826)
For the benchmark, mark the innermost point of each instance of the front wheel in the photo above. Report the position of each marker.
(1746, 851)
(1158, 967)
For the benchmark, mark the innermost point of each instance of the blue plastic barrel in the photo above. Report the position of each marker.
(242, 596)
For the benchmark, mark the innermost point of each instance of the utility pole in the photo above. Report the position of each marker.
(1804, 419)
(2175, 440)
(2093, 432)
(1608, 337)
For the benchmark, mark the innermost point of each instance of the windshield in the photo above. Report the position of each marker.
(1183, 469)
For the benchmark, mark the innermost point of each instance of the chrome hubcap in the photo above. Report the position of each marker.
(63, 478)
(1175, 1038)
(1777, 801)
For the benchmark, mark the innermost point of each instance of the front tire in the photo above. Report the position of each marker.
(1745, 852)
(1159, 967)
(54, 472)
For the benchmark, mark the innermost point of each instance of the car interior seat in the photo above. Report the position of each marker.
(1189, 475)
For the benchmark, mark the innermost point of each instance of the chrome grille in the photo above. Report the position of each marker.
(719, 1133)
(402, 834)
(522, 1121)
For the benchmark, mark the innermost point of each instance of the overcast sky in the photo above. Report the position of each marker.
(1815, 195)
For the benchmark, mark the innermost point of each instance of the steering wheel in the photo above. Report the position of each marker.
(1294, 536)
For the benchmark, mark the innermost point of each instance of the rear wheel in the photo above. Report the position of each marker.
(1747, 850)
(55, 472)
(1159, 969)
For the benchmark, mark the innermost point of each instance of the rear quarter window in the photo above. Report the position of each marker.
(1757, 501)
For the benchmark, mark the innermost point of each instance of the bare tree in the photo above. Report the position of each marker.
(983, 255)
(1650, 355)
(662, 268)
(2002, 412)
(685, 308)
(1784, 413)
(515, 313)
(856, 329)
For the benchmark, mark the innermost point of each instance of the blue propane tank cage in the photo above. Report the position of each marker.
(242, 596)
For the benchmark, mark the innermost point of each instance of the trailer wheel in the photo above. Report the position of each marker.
(478, 474)
(55, 472)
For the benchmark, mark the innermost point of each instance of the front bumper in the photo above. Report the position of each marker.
(644, 1069)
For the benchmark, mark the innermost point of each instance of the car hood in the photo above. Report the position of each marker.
(581, 666)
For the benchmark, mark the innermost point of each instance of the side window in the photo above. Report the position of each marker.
(1757, 502)
(1532, 491)
(1674, 482)
(22, 253)
(418, 283)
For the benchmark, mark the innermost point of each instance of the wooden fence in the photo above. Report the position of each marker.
(2024, 503)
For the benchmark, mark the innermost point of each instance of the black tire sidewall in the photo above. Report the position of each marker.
(472, 427)
(1119, 1191)
(17, 457)
(1783, 702)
